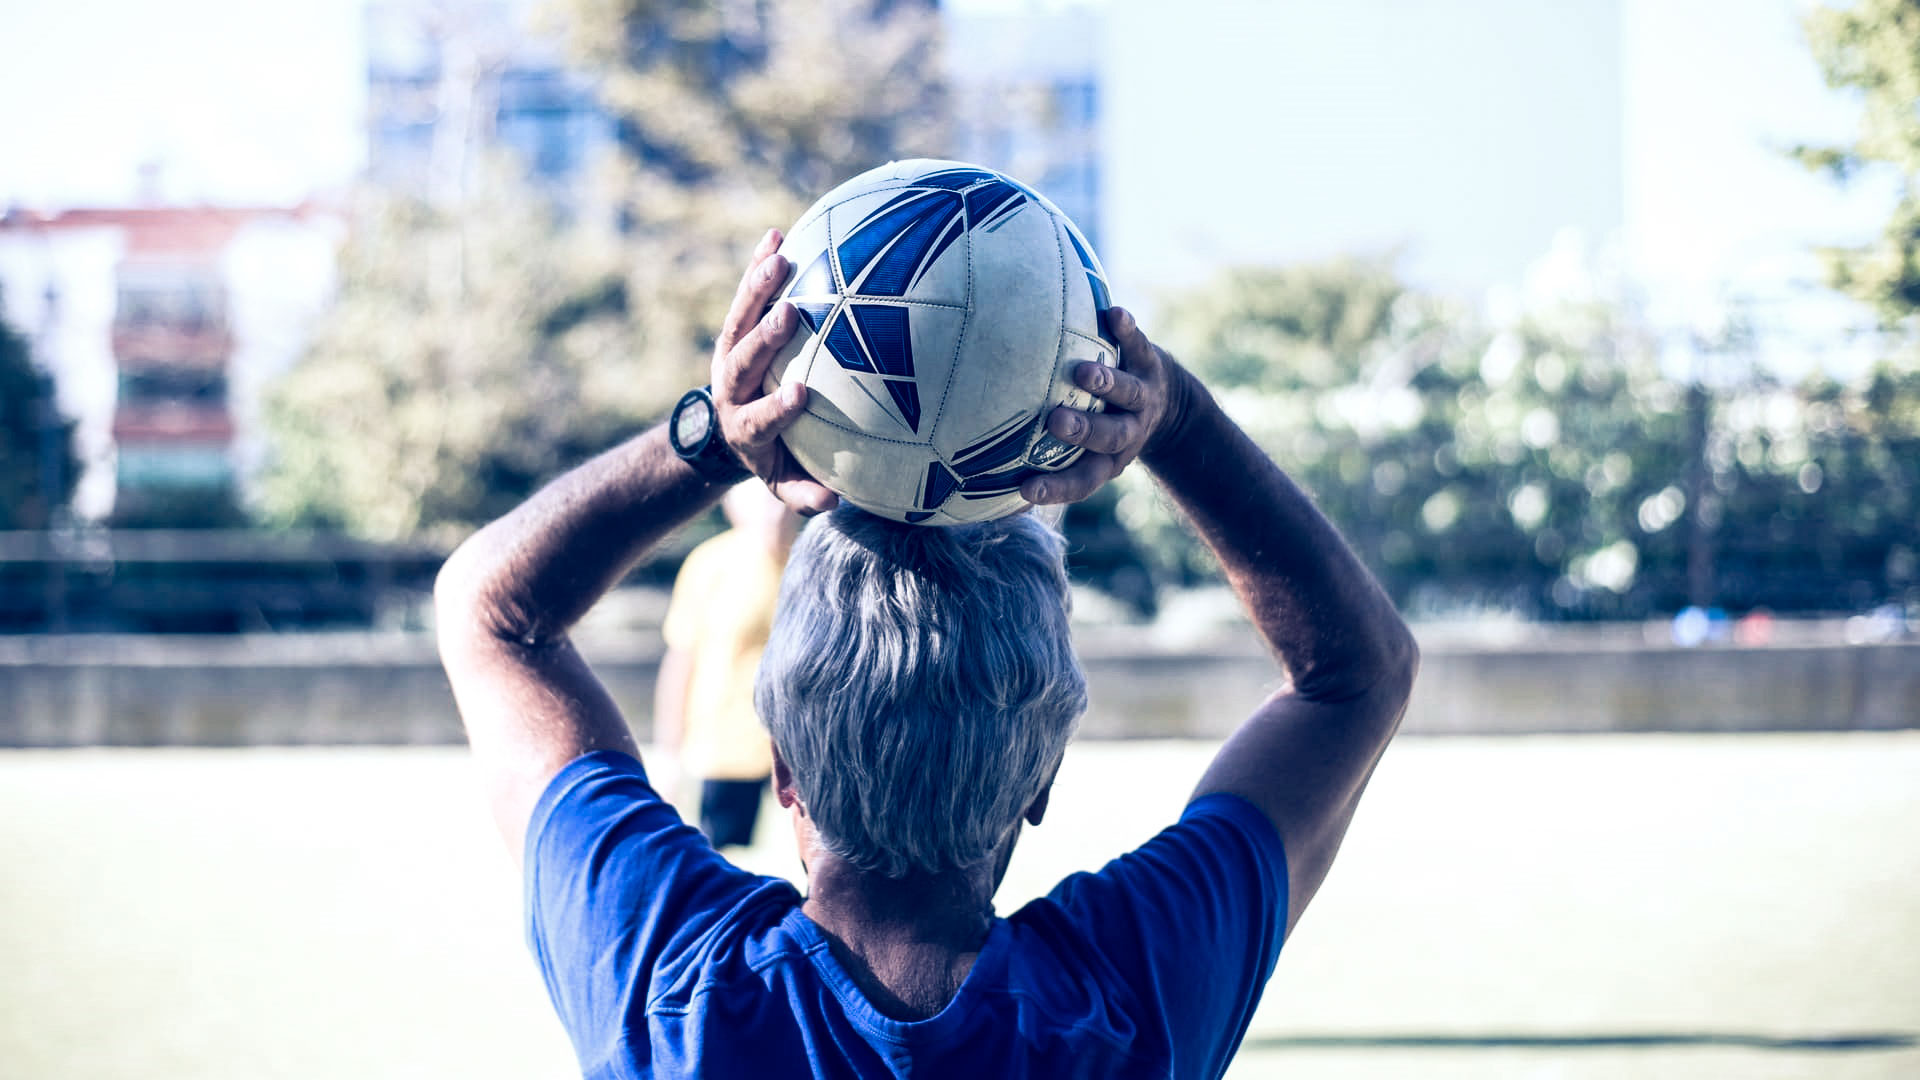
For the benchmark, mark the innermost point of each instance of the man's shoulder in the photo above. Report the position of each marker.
(1215, 828)
(733, 955)
(1180, 933)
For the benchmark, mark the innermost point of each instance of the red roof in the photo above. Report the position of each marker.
(172, 424)
(157, 230)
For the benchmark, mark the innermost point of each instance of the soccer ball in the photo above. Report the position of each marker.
(942, 307)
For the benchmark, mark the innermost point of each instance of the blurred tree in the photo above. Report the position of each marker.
(474, 349)
(1278, 345)
(1549, 465)
(480, 342)
(734, 116)
(1469, 465)
(1830, 480)
(1872, 48)
(1819, 493)
(38, 466)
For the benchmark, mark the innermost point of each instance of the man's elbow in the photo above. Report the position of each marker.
(458, 610)
(1384, 685)
(1401, 663)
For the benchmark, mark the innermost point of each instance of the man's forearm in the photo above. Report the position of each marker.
(1307, 593)
(531, 575)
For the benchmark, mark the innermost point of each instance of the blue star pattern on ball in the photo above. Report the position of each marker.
(884, 258)
(944, 308)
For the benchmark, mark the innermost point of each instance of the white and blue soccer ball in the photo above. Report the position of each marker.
(943, 307)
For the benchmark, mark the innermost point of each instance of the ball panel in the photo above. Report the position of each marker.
(947, 280)
(887, 253)
(846, 387)
(990, 203)
(811, 291)
(892, 174)
(934, 334)
(793, 361)
(902, 243)
(962, 510)
(1010, 352)
(936, 172)
(1086, 285)
(1035, 194)
(814, 282)
(803, 248)
(880, 367)
(886, 474)
(1005, 444)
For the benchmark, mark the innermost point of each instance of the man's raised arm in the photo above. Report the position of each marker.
(507, 598)
(1305, 754)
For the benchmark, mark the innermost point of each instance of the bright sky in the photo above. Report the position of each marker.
(260, 102)
(250, 101)
(238, 100)
(1716, 90)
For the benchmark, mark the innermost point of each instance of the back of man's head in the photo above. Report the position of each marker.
(920, 684)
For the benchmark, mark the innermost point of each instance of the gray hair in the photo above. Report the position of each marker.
(920, 684)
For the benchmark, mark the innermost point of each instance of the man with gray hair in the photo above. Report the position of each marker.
(920, 691)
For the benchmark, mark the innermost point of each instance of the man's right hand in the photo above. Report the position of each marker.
(751, 420)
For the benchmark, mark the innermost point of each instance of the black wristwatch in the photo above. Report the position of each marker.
(694, 431)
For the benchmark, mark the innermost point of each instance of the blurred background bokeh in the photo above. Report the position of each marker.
(1592, 325)
(1594, 313)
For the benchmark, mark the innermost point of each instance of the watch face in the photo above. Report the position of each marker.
(690, 424)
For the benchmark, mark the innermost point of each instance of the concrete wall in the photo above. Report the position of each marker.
(331, 689)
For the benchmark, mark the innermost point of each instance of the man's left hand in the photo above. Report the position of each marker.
(1136, 395)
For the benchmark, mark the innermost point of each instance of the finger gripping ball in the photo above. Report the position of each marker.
(943, 307)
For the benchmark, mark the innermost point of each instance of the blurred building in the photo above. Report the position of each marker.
(450, 83)
(160, 326)
(1027, 100)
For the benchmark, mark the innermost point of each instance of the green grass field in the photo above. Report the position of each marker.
(1644, 906)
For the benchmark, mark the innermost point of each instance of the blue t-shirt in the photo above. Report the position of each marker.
(665, 960)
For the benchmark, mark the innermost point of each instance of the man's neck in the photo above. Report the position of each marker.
(908, 942)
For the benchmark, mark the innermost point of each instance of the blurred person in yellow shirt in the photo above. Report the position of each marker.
(716, 627)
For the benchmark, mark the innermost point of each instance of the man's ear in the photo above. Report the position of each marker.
(1038, 808)
(783, 787)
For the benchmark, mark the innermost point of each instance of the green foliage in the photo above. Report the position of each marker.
(479, 346)
(32, 488)
(1872, 49)
(1817, 490)
(472, 352)
(1547, 465)
(1286, 328)
(735, 117)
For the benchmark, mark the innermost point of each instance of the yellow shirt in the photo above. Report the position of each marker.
(721, 612)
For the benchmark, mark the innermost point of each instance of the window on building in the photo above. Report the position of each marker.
(193, 303)
(164, 386)
(174, 467)
(1076, 103)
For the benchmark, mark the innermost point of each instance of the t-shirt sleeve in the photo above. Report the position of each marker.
(614, 882)
(1193, 921)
